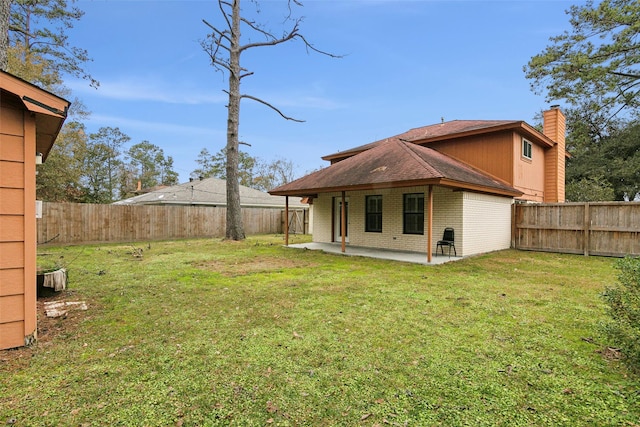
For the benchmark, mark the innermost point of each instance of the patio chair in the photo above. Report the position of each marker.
(448, 240)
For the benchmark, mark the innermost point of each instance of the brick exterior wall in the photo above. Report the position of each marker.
(482, 223)
(487, 222)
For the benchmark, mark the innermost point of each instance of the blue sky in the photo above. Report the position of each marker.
(406, 64)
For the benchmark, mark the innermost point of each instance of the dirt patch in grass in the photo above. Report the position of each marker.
(245, 266)
(48, 330)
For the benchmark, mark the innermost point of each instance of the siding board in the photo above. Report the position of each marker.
(12, 227)
(11, 148)
(12, 334)
(11, 281)
(11, 255)
(11, 308)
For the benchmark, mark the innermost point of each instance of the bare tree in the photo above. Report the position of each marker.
(224, 47)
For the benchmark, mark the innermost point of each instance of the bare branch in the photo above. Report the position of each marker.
(274, 41)
(630, 75)
(221, 34)
(258, 29)
(224, 14)
(272, 107)
(296, 2)
(315, 49)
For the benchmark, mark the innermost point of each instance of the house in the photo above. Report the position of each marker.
(401, 192)
(213, 192)
(208, 192)
(30, 119)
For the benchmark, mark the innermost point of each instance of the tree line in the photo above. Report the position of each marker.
(96, 167)
(593, 67)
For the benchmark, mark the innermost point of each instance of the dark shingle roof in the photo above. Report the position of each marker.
(395, 163)
(452, 129)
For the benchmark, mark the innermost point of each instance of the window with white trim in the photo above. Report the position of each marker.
(527, 149)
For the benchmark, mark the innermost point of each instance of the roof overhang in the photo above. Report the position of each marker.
(49, 110)
(521, 127)
(443, 182)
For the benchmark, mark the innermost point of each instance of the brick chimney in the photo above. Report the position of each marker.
(554, 127)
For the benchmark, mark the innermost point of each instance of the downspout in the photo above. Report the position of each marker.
(429, 223)
(343, 222)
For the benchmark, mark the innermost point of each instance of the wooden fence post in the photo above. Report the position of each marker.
(587, 228)
(514, 229)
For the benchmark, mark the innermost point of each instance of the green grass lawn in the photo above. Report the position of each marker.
(205, 333)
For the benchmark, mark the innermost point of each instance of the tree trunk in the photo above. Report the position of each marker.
(235, 229)
(5, 11)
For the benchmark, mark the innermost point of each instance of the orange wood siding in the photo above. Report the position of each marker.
(492, 153)
(11, 174)
(12, 227)
(529, 173)
(23, 107)
(12, 308)
(11, 334)
(30, 243)
(500, 155)
(17, 223)
(11, 149)
(12, 280)
(11, 201)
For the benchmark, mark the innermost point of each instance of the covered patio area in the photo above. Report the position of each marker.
(403, 256)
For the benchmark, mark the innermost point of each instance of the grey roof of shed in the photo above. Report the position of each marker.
(208, 192)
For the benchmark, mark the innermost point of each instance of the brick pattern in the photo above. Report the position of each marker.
(481, 222)
(487, 222)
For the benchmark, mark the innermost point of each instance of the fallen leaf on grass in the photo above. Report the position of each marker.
(297, 335)
(271, 407)
(365, 416)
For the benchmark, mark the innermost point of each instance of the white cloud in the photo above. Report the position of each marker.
(126, 124)
(138, 89)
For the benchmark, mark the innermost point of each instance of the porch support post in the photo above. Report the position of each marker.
(343, 222)
(286, 220)
(429, 222)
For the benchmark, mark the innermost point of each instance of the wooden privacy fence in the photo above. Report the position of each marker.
(597, 228)
(63, 223)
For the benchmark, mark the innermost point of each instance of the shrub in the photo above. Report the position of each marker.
(624, 309)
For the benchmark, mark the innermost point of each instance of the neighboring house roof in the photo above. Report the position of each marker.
(395, 163)
(453, 129)
(207, 192)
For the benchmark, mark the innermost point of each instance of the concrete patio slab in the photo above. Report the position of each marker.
(403, 256)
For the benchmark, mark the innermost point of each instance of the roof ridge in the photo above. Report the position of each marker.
(408, 147)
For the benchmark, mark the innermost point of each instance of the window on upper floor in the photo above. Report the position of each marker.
(526, 149)
(373, 214)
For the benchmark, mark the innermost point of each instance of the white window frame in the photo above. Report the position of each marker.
(527, 149)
